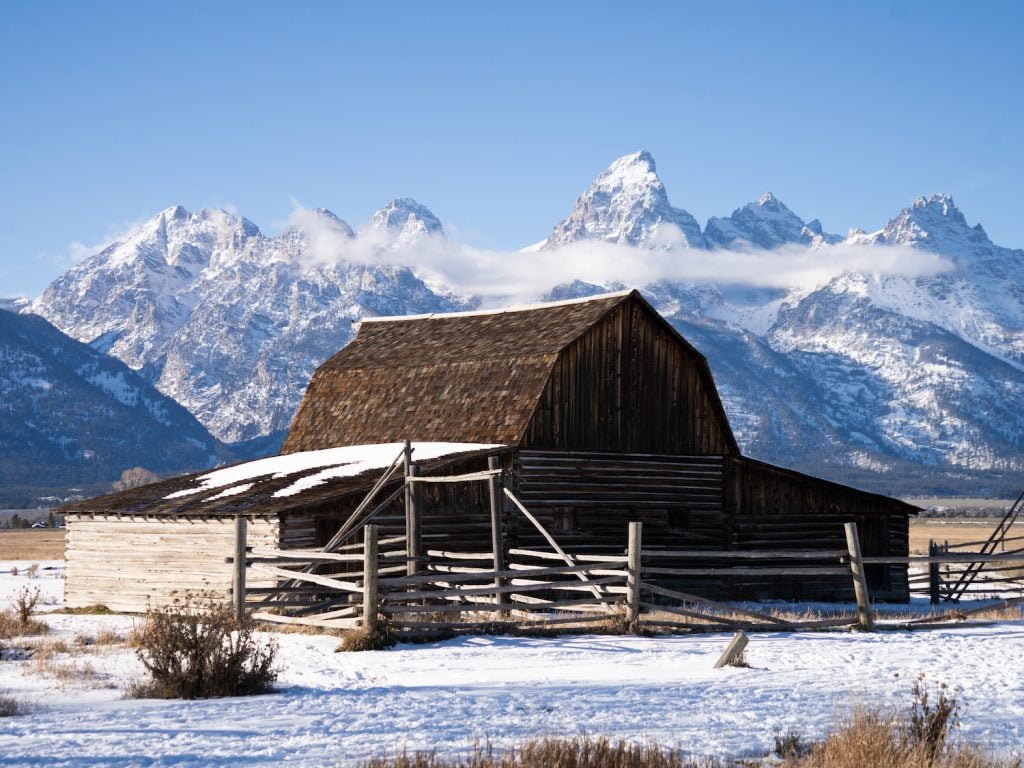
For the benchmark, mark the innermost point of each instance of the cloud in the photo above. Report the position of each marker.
(77, 251)
(494, 276)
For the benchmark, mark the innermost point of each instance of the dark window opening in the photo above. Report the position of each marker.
(565, 519)
(679, 520)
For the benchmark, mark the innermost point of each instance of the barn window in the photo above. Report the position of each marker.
(679, 520)
(565, 519)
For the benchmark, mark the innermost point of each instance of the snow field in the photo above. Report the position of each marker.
(335, 708)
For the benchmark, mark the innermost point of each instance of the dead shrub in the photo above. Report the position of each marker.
(25, 603)
(193, 652)
(934, 713)
(18, 622)
(33, 571)
(11, 707)
(364, 639)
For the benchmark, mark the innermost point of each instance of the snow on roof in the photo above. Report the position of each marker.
(347, 461)
(498, 310)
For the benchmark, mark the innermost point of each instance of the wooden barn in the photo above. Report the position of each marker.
(598, 410)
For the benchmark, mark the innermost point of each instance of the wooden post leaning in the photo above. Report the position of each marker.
(238, 569)
(633, 573)
(370, 599)
(494, 484)
(860, 582)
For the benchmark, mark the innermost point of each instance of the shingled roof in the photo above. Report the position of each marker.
(470, 377)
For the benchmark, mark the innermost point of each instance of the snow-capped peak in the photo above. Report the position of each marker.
(766, 223)
(407, 218)
(936, 224)
(627, 204)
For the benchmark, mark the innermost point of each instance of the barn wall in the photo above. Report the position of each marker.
(587, 500)
(774, 508)
(134, 563)
(629, 385)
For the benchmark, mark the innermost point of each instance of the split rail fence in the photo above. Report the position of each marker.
(424, 592)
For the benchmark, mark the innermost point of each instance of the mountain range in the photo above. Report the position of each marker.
(903, 379)
(72, 418)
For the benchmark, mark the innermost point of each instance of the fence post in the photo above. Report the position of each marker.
(413, 527)
(860, 582)
(633, 572)
(370, 606)
(933, 573)
(494, 484)
(238, 575)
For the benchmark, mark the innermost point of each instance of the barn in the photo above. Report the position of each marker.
(598, 411)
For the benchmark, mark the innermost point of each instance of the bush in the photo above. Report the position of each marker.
(25, 603)
(193, 652)
(10, 707)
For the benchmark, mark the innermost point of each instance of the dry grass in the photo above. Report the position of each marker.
(580, 752)
(88, 610)
(953, 530)
(32, 544)
(11, 707)
(364, 639)
(880, 741)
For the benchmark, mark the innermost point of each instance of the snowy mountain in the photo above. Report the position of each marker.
(885, 377)
(229, 322)
(766, 224)
(70, 415)
(627, 204)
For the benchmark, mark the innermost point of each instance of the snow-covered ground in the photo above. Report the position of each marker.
(335, 708)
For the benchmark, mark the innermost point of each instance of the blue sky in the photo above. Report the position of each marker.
(496, 115)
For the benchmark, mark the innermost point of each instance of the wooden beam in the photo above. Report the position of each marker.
(370, 606)
(238, 571)
(860, 582)
(633, 551)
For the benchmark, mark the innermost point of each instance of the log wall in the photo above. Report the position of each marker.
(134, 563)
(774, 508)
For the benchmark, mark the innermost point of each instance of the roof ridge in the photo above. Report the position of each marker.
(501, 310)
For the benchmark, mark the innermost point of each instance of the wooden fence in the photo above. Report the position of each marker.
(421, 591)
(462, 592)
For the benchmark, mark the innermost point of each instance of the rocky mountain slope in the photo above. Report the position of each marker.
(885, 375)
(72, 416)
(229, 322)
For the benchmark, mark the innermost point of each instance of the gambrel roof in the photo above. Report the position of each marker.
(469, 377)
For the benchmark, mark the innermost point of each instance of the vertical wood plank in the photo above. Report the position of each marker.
(238, 576)
(497, 534)
(413, 522)
(633, 571)
(370, 600)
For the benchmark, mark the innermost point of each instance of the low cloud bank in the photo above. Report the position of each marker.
(499, 275)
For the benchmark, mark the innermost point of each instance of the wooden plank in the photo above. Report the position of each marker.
(370, 596)
(618, 559)
(762, 554)
(341, 586)
(794, 570)
(688, 598)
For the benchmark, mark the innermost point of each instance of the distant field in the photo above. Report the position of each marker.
(32, 544)
(955, 531)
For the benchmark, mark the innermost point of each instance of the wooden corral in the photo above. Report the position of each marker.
(601, 415)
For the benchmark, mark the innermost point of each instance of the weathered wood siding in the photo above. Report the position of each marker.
(587, 500)
(774, 508)
(629, 385)
(134, 563)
